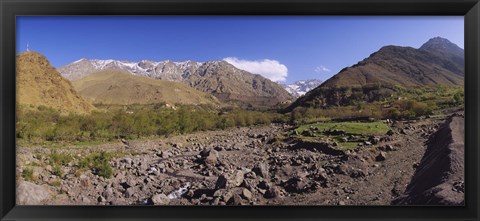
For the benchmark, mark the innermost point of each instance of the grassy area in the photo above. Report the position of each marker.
(341, 130)
(356, 128)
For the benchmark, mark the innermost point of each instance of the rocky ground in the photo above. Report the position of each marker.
(240, 166)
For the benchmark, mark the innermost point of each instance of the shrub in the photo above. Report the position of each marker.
(99, 163)
(27, 174)
(57, 171)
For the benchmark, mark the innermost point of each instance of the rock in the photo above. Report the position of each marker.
(165, 154)
(381, 156)
(237, 200)
(221, 182)
(84, 181)
(357, 174)
(367, 143)
(227, 196)
(390, 132)
(247, 194)
(344, 139)
(86, 200)
(375, 140)
(101, 199)
(263, 185)
(209, 156)
(127, 160)
(389, 148)
(31, 194)
(215, 201)
(273, 192)
(219, 148)
(238, 178)
(108, 193)
(129, 192)
(160, 199)
(261, 169)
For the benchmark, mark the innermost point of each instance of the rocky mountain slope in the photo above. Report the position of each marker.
(299, 88)
(231, 84)
(437, 62)
(116, 87)
(38, 83)
(223, 80)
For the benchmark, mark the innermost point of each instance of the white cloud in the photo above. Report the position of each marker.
(321, 69)
(271, 69)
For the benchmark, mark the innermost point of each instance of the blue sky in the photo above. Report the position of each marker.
(287, 48)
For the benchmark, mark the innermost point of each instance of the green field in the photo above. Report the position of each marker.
(321, 131)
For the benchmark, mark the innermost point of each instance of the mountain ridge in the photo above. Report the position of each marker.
(219, 78)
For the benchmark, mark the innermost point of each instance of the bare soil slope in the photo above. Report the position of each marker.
(439, 179)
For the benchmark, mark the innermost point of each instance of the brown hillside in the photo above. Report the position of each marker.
(114, 87)
(400, 65)
(230, 84)
(38, 83)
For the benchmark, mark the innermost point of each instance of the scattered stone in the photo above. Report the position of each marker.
(160, 199)
(381, 156)
(247, 194)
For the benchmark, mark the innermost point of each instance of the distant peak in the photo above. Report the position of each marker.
(437, 42)
(80, 60)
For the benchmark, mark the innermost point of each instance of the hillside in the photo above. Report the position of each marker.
(437, 63)
(228, 83)
(406, 66)
(38, 83)
(116, 87)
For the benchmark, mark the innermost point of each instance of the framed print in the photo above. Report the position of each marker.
(258, 110)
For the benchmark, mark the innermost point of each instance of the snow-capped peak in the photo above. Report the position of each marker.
(301, 87)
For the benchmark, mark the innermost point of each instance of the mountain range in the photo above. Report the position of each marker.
(219, 78)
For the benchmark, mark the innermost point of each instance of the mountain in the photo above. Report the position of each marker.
(164, 70)
(219, 78)
(299, 88)
(117, 87)
(232, 85)
(437, 62)
(38, 83)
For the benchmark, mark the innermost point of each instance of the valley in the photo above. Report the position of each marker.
(108, 132)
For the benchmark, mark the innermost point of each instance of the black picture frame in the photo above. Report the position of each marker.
(470, 9)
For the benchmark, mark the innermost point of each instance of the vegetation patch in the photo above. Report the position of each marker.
(345, 135)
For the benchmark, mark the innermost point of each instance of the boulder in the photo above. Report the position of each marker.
(247, 194)
(160, 199)
(32, 194)
(261, 169)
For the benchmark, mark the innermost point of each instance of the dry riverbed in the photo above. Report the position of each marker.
(239, 166)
